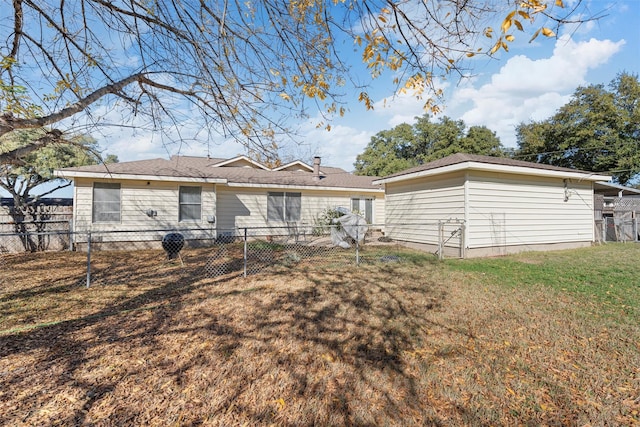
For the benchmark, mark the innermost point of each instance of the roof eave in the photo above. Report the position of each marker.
(135, 177)
(487, 167)
(306, 187)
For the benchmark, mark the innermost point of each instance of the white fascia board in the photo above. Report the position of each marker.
(488, 167)
(120, 176)
(238, 158)
(297, 162)
(305, 187)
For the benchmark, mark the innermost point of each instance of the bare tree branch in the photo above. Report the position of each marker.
(248, 68)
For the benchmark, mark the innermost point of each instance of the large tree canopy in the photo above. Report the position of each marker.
(245, 67)
(598, 131)
(405, 146)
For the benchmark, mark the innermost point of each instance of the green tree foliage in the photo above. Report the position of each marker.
(598, 130)
(405, 146)
(24, 177)
(388, 151)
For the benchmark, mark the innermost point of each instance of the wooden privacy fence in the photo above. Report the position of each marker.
(617, 219)
(42, 227)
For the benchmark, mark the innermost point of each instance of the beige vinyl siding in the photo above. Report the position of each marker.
(507, 210)
(136, 197)
(247, 207)
(414, 207)
(241, 207)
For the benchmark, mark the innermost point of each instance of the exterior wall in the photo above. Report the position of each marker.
(247, 207)
(136, 197)
(519, 211)
(413, 208)
(233, 207)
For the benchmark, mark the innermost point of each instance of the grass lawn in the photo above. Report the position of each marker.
(532, 339)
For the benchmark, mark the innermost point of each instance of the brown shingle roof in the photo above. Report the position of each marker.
(203, 167)
(463, 158)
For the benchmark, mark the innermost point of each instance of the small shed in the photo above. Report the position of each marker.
(503, 205)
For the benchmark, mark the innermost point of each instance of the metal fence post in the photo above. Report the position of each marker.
(245, 252)
(462, 248)
(440, 240)
(89, 259)
(357, 246)
(71, 235)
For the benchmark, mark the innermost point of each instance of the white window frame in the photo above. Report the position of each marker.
(361, 202)
(187, 204)
(104, 206)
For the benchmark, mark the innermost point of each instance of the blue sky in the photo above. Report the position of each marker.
(530, 82)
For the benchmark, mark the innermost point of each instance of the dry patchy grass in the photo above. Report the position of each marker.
(401, 343)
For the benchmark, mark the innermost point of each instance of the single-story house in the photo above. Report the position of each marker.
(218, 195)
(503, 205)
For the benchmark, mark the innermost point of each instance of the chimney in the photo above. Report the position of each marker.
(316, 168)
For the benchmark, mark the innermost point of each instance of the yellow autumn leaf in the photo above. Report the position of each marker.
(547, 32)
(524, 15)
(285, 96)
(559, 3)
(518, 25)
(534, 36)
(506, 24)
(509, 38)
(470, 54)
(382, 19)
(495, 48)
(281, 404)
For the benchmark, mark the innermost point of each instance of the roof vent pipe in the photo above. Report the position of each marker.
(316, 168)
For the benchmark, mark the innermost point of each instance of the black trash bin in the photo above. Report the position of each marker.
(172, 244)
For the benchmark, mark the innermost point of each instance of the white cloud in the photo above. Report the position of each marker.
(402, 108)
(525, 89)
(338, 147)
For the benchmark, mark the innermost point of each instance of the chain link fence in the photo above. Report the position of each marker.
(130, 257)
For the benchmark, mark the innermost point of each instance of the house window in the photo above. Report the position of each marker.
(106, 202)
(190, 201)
(364, 207)
(283, 207)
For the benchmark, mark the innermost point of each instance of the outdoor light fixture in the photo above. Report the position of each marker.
(151, 213)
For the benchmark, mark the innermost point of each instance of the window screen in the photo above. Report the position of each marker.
(283, 206)
(275, 207)
(106, 202)
(364, 207)
(292, 206)
(190, 201)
